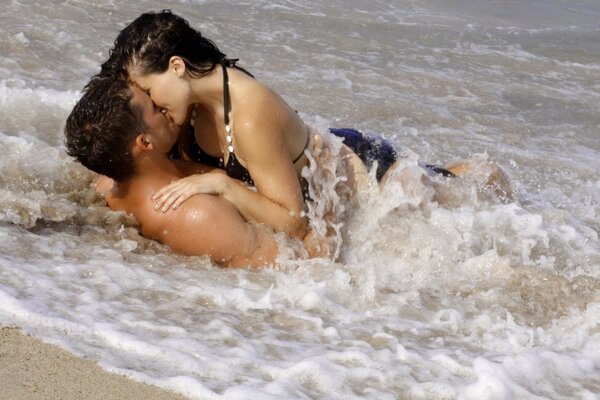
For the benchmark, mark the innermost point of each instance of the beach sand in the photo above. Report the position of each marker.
(31, 369)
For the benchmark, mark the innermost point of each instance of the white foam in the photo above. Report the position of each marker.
(483, 299)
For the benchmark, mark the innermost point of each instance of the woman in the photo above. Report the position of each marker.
(237, 123)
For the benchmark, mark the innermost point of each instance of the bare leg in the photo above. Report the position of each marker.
(476, 179)
(355, 171)
(489, 175)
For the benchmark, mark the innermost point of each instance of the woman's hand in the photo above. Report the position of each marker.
(175, 193)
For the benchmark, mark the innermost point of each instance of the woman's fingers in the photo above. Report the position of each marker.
(175, 193)
(165, 197)
(174, 197)
(161, 192)
(163, 203)
(180, 199)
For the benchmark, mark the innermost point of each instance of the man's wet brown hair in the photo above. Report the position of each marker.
(101, 128)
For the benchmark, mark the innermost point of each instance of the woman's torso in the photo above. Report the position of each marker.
(211, 137)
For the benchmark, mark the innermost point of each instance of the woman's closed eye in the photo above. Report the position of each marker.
(165, 114)
(157, 108)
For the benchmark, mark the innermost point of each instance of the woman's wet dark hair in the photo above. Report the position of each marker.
(149, 42)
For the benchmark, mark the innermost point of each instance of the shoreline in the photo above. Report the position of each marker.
(32, 369)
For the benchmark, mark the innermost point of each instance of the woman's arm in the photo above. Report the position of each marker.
(255, 206)
(259, 126)
(251, 205)
(259, 142)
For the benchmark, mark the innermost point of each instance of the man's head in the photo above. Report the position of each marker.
(102, 126)
(111, 121)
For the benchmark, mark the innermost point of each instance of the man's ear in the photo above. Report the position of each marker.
(177, 64)
(142, 143)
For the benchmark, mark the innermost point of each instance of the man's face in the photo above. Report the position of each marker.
(160, 127)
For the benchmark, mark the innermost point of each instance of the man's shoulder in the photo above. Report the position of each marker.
(199, 211)
(203, 224)
(138, 201)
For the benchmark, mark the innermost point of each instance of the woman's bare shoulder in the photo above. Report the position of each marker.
(254, 99)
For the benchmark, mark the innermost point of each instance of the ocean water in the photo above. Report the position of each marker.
(485, 299)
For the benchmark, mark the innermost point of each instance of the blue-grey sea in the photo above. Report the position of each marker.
(483, 300)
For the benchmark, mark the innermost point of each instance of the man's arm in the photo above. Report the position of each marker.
(210, 225)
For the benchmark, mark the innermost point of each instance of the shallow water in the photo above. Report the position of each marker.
(488, 300)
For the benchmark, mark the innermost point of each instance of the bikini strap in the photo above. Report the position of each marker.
(226, 100)
(229, 63)
(232, 63)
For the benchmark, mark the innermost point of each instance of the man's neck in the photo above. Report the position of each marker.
(152, 172)
(156, 166)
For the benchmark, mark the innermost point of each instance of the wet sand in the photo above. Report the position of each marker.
(31, 369)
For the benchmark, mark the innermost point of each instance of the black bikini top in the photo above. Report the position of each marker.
(234, 168)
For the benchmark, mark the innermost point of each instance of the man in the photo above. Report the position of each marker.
(115, 130)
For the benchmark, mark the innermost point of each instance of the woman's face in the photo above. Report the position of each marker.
(169, 90)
